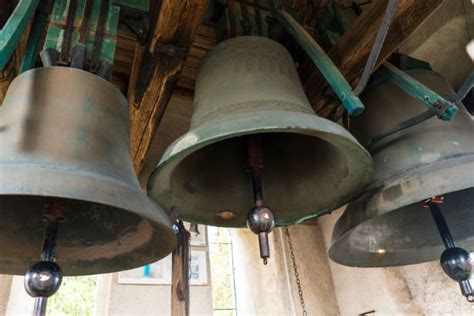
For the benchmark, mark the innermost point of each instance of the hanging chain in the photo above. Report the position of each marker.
(295, 268)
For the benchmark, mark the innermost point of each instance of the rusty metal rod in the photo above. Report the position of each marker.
(441, 224)
(39, 308)
(53, 217)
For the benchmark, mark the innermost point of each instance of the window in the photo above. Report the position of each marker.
(222, 272)
(75, 297)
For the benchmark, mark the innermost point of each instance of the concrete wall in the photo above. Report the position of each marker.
(442, 40)
(271, 289)
(125, 299)
(141, 300)
(260, 289)
(6, 282)
(19, 302)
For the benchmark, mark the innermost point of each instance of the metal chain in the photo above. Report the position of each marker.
(295, 268)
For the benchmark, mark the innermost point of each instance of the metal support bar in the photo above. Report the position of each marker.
(34, 38)
(53, 217)
(79, 51)
(64, 55)
(99, 35)
(444, 109)
(443, 229)
(336, 80)
(255, 164)
(258, 18)
(400, 126)
(39, 307)
(377, 46)
(11, 32)
(465, 88)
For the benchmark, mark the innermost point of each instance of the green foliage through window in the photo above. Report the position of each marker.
(222, 272)
(74, 298)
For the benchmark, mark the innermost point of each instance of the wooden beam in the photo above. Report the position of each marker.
(176, 24)
(351, 51)
(180, 274)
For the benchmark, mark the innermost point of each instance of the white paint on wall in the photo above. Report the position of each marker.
(19, 302)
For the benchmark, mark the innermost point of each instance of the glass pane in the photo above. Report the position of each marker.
(218, 234)
(74, 298)
(221, 276)
(225, 313)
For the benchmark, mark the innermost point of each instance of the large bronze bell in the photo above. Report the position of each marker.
(249, 86)
(64, 143)
(388, 225)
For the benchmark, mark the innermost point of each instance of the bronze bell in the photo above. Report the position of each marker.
(388, 224)
(249, 86)
(64, 142)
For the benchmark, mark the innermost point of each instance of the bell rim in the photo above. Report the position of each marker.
(244, 124)
(134, 201)
(349, 221)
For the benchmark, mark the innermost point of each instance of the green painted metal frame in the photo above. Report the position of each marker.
(54, 36)
(336, 80)
(55, 33)
(34, 40)
(13, 29)
(438, 105)
(140, 5)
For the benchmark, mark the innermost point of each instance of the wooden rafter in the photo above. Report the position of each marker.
(351, 51)
(176, 24)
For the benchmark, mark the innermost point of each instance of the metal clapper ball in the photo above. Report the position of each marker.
(454, 260)
(260, 219)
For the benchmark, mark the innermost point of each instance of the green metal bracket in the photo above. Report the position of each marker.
(140, 5)
(438, 105)
(252, 20)
(336, 80)
(55, 33)
(11, 32)
(58, 17)
(38, 27)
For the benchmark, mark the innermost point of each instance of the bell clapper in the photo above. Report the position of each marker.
(260, 219)
(454, 260)
(44, 277)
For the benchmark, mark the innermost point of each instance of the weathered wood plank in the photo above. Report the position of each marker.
(180, 276)
(351, 51)
(176, 24)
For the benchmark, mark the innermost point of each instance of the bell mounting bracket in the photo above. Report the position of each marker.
(438, 105)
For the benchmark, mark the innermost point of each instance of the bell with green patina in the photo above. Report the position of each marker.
(249, 86)
(389, 224)
(64, 149)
